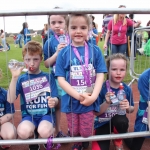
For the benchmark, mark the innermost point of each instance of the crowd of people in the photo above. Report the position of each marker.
(75, 84)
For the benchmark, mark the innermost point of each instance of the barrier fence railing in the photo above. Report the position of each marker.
(133, 74)
(79, 11)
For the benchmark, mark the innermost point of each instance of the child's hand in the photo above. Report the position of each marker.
(60, 46)
(52, 101)
(16, 72)
(88, 99)
(107, 97)
(105, 46)
(124, 104)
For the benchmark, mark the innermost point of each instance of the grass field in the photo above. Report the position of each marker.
(141, 62)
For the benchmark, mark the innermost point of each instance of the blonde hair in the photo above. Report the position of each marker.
(32, 48)
(116, 16)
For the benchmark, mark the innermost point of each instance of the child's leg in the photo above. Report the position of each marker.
(58, 117)
(86, 121)
(45, 129)
(102, 145)
(119, 125)
(26, 128)
(8, 131)
(73, 123)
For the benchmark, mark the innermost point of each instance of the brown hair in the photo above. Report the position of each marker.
(64, 16)
(116, 56)
(32, 48)
(87, 18)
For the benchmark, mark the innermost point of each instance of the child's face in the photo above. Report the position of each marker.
(57, 22)
(117, 70)
(78, 30)
(33, 63)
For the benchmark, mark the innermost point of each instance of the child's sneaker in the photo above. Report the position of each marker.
(34, 147)
(77, 147)
(61, 134)
(119, 148)
(85, 144)
(45, 146)
(5, 146)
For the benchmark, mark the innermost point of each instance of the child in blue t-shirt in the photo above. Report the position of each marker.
(34, 86)
(142, 122)
(51, 49)
(8, 130)
(109, 118)
(80, 69)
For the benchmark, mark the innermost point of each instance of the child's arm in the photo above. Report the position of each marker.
(88, 100)
(69, 89)
(5, 118)
(51, 60)
(11, 94)
(105, 104)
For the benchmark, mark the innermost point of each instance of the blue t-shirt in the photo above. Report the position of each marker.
(27, 38)
(5, 106)
(143, 86)
(102, 94)
(66, 61)
(94, 38)
(38, 107)
(50, 47)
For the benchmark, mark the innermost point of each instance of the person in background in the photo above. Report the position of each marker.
(129, 34)
(44, 34)
(94, 33)
(2, 35)
(106, 19)
(19, 39)
(148, 24)
(116, 31)
(25, 32)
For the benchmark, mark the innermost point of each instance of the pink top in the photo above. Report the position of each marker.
(119, 31)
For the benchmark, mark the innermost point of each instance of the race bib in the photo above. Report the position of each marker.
(77, 78)
(32, 88)
(109, 113)
(145, 120)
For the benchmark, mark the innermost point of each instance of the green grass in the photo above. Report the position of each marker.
(141, 63)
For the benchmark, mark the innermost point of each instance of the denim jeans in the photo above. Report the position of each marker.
(118, 48)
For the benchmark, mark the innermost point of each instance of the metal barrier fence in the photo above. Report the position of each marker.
(82, 11)
(133, 73)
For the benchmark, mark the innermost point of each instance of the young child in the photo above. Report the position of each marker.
(142, 122)
(107, 119)
(33, 86)
(51, 50)
(80, 69)
(8, 131)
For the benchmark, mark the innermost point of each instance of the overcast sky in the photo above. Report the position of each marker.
(14, 24)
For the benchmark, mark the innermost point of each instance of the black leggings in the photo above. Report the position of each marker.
(120, 122)
(134, 143)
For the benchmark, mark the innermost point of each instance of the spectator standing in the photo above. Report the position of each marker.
(44, 34)
(106, 20)
(118, 26)
(3, 39)
(148, 24)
